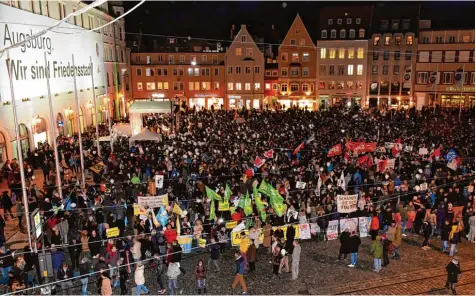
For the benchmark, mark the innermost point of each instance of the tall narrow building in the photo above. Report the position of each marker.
(297, 68)
(244, 76)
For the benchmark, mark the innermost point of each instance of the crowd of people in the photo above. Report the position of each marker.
(215, 150)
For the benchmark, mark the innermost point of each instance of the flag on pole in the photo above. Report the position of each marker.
(276, 201)
(263, 188)
(177, 210)
(248, 207)
(319, 184)
(269, 153)
(212, 210)
(162, 216)
(177, 224)
(298, 148)
(212, 194)
(228, 193)
(335, 150)
(435, 153)
(459, 77)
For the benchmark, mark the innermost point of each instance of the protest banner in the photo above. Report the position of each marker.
(284, 228)
(364, 223)
(112, 232)
(185, 241)
(361, 147)
(335, 150)
(153, 201)
(333, 230)
(314, 228)
(236, 236)
(350, 223)
(139, 210)
(305, 231)
(347, 203)
(300, 185)
(386, 164)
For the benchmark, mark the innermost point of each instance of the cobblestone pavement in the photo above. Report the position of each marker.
(418, 272)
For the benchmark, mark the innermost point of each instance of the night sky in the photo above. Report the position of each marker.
(205, 19)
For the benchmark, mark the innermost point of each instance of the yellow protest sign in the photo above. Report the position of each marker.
(97, 167)
(236, 237)
(202, 243)
(112, 232)
(140, 210)
(177, 210)
(223, 206)
(231, 225)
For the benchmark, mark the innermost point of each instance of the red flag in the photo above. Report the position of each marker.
(259, 162)
(298, 148)
(269, 153)
(365, 161)
(397, 147)
(435, 153)
(335, 150)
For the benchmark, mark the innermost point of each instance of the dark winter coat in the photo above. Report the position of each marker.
(344, 242)
(453, 271)
(354, 243)
(445, 233)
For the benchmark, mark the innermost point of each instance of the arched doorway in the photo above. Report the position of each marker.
(81, 119)
(93, 116)
(3, 148)
(40, 135)
(24, 141)
(60, 124)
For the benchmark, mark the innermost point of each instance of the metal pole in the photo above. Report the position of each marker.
(19, 150)
(53, 130)
(94, 106)
(461, 95)
(109, 123)
(106, 86)
(79, 126)
(435, 85)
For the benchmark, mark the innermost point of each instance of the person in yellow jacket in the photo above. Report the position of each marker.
(244, 245)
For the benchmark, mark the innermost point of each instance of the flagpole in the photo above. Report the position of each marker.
(94, 106)
(106, 81)
(79, 126)
(53, 130)
(435, 85)
(19, 151)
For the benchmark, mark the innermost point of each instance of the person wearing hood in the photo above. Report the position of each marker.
(376, 251)
(453, 273)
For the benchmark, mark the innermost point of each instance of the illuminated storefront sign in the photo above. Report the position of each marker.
(453, 88)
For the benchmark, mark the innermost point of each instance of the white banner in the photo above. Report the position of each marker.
(347, 203)
(364, 223)
(314, 228)
(351, 224)
(333, 230)
(27, 61)
(305, 231)
(153, 201)
(300, 185)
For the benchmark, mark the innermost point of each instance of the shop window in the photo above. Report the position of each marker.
(452, 101)
(24, 139)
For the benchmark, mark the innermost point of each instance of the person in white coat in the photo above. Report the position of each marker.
(296, 257)
(140, 279)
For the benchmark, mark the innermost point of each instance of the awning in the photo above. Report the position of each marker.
(151, 107)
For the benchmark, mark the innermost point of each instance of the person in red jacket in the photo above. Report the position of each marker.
(374, 226)
(170, 234)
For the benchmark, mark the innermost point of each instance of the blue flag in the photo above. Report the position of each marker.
(162, 216)
(451, 155)
(68, 204)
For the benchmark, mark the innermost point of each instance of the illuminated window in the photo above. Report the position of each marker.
(305, 57)
(139, 85)
(409, 40)
(295, 57)
(350, 69)
(341, 53)
(360, 53)
(332, 53)
(323, 53)
(350, 53)
(257, 85)
(267, 86)
(360, 70)
(247, 86)
(238, 51)
(230, 86)
(238, 86)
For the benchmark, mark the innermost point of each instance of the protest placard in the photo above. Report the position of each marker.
(159, 181)
(347, 203)
(305, 231)
(351, 224)
(333, 230)
(300, 185)
(112, 232)
(364, 223)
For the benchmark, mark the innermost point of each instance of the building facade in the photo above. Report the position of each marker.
(197, 77)
(271, 87)
(445, 68)
(342, 56)
(297, 68)
(392, 56)
(52, 55)
(244, 66)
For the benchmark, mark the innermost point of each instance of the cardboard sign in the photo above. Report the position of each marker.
(236, 236)
(223, 206)
(300, 185)
(153, 201)
(333, 230)
(284, 228)
(97, 168)
(351, 224)
(347, 203)
(159, 181)
(202, 243)
(423, 186)
(112, 232)
(364, 223)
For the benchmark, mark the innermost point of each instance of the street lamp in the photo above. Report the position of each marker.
(69, 113)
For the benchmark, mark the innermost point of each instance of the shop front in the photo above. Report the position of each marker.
(235, 102)
(39, 129)
(452, 100)
(247, 101)
(306, 104)
(323, 102)
(206, 101)
(215, 103)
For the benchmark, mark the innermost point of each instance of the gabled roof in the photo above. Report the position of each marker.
(297, 24)
(249, 39)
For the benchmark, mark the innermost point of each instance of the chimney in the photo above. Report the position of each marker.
(232, 32)
(272, 27)
(243, 27)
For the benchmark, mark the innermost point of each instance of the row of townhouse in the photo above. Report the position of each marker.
(365, 56)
